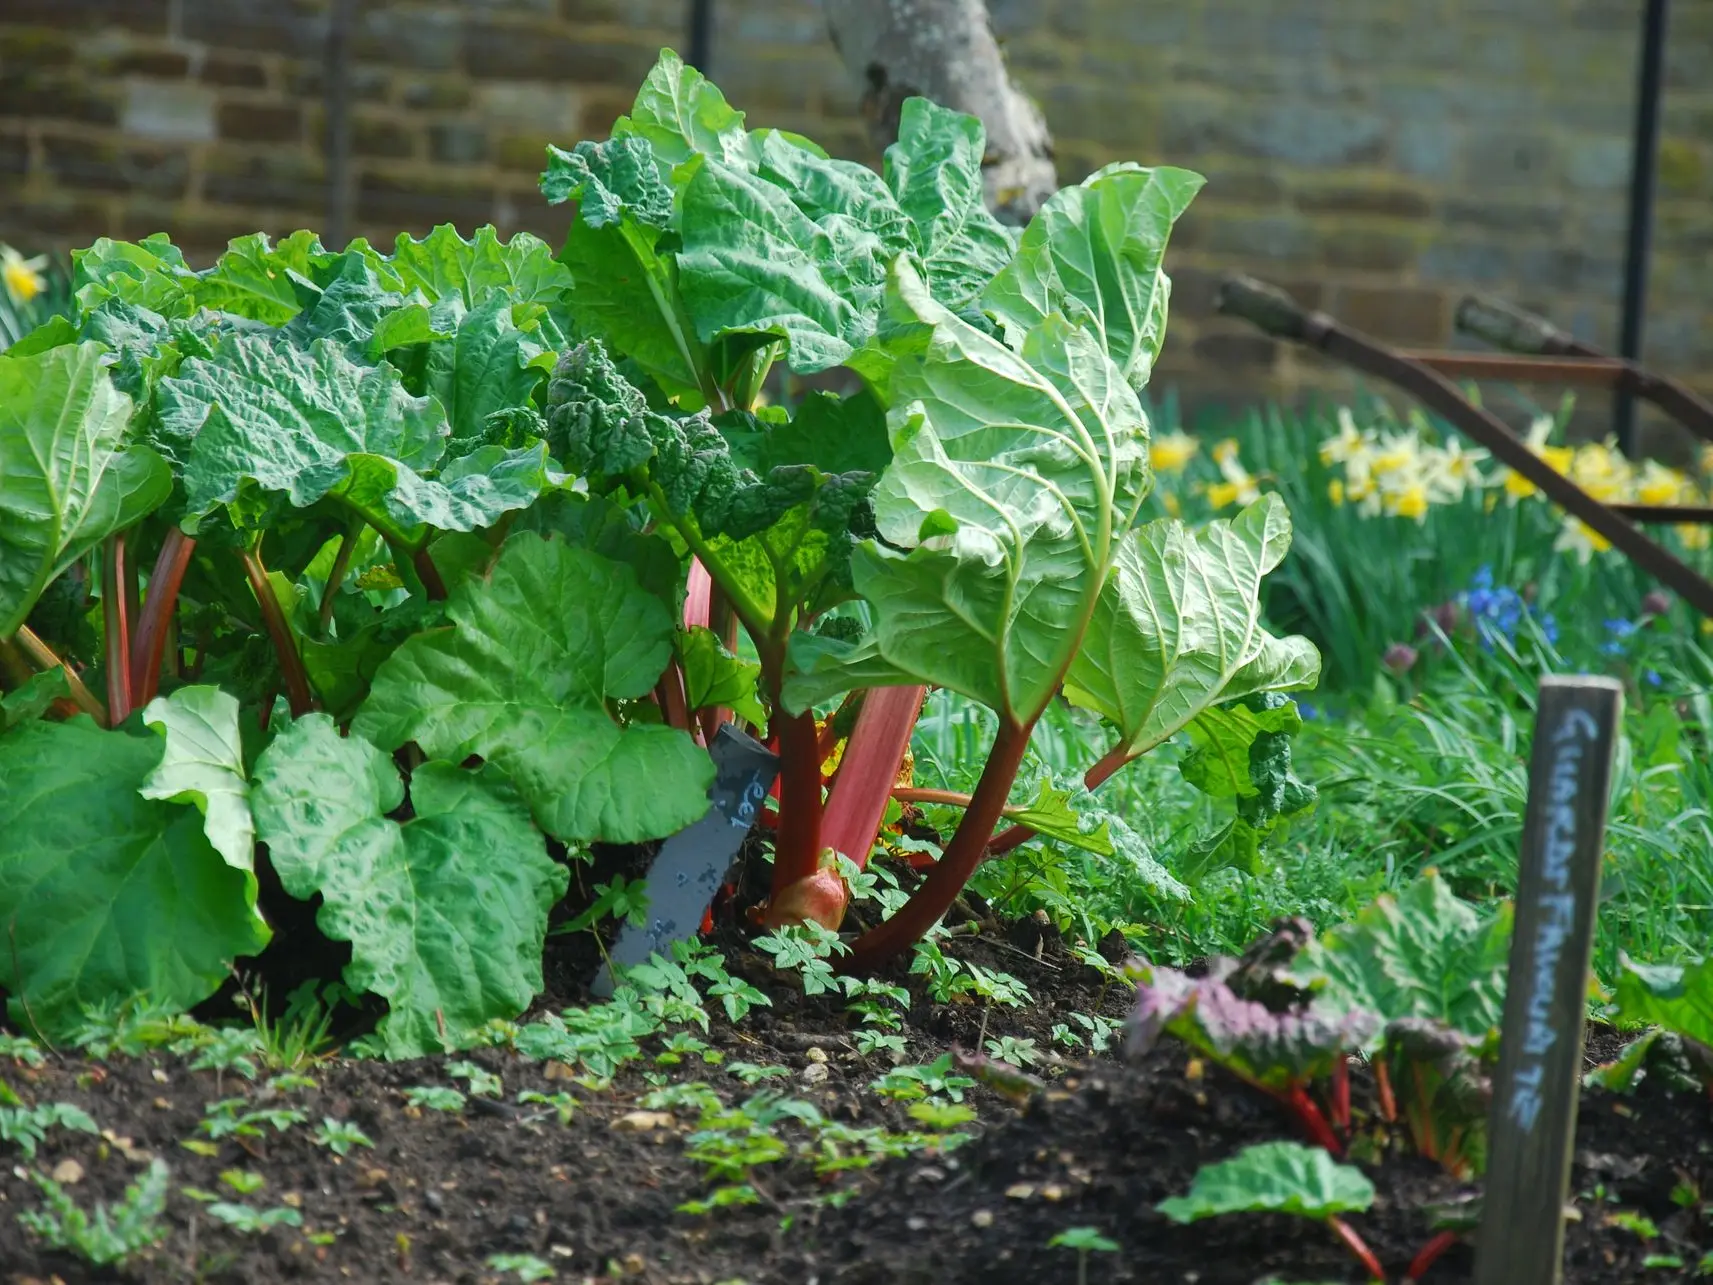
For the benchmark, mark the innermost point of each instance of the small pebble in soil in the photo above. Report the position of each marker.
(815, 1054)
(982, 1218)
(815, 1072)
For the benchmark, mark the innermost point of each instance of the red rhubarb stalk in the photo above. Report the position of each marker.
(1383, 1082)
(1430, 1254)
(1341, 1093)
(1345, 1232)
(279, 631)
(115, 604)
(962, 855)
(1302, 1106)
(148, 643)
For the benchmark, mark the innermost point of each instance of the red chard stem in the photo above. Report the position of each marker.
(154, 626)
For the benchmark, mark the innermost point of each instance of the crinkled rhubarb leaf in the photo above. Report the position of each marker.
(1178, 627)
(797, 246)
(254, 278)
(1051, 815)
(67, 479)
(316, 424)
(1272, 1050)
(1093, 253)
(443, 265)
(1273, 1178)
(105, 892)
(522, 679)
(934, 171)
(1422, 953)
(483, 370)
(203, 765)
(714, 677)
(150, 273)
(446, 914)
(1012, 475)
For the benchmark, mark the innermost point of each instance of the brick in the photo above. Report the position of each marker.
(233, 72)
(367, 84)
(442, 93)
(458, 143)
(163, 64)
(1599, 164)
(1365, 250)
(1497, 215)
(146, 16)
(1268, 236)
(669, 16)
(509, 52)
(1378, 202)
(416, 202)
(58, 219)
(53, 96)
(170, 111)
(1503, 158)
(1567, 269)
(410, 38)
(295, 28)
(1398, 314)
(106, 166)
(1468, 263)
(36, 48)
(386, 137)
(14, 154)
(1424, 149)
(286, 179)
(525, 152)
(260, 122)
(1238, 185)
(519, 107)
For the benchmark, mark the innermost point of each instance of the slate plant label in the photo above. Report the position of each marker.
(1532, 1121)
(689, 866)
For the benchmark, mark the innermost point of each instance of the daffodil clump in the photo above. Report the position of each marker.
(1406, 474)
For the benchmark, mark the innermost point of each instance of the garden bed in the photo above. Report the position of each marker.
(440, 1192)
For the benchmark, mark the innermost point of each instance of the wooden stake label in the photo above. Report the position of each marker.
(1532, 1122)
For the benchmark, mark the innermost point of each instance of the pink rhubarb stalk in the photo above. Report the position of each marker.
(962, 855)
(279, 631)
(154, 625)
(1356, 1245)
(115, 610)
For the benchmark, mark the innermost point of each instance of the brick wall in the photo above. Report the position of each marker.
(1378, 158)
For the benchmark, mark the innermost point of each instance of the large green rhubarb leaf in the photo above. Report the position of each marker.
(203, 765)
(523, 679)
(255, 277)
(679, 112)
(443, 265)
(446, 914)
(316, 424)
(797, 247)
(1178, 627)
(106, 894)
(66, 479)
(934, 170)
(1013, 474)
(482, 370)
(1093, 253)
(1422, 953)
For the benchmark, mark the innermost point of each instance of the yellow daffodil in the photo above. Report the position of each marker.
(1170, 452)
(1452, 469)
(1518, 487)
(1239, 486)
(1347, 442)
(22, 277)
(1661, 485)
(1335, 493)
(1409, 501)
(1694, 535)
(1583, 541)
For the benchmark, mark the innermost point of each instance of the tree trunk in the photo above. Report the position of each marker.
(945, 50)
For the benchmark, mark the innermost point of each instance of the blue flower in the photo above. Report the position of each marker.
(1549, 629)
(1309, 712)
(1620, 630)
(1653, 678)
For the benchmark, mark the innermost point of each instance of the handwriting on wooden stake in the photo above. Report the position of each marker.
(1532, 1124)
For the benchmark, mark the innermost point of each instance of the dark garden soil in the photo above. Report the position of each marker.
(438, 1193)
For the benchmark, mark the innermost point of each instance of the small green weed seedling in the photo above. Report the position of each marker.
(483, 1084)
(242, 1181)
(1085, 1241)
(28, 1126)
(339, 1136)
(1018, 1052)
(227, 1118)
(625, 900)
(21, 1049)
(806, 949)
(911, 1083)
(527, 1267)
(112, 1233)
(251, 1221)
(750, 1073)
(434, 1097)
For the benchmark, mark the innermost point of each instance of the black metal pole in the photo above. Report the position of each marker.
(701, 34)
(1644, 161)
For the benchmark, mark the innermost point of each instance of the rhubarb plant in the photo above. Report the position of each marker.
(393, 578)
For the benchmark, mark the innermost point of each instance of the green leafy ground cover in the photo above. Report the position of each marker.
(359, 604)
